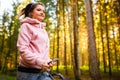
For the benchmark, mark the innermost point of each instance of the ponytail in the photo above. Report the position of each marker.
(29, 8)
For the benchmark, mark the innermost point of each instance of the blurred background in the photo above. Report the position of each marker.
(84, 35)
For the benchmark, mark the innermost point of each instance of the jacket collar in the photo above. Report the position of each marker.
(33, 22)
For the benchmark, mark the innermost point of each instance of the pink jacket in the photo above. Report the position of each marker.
(33, 43)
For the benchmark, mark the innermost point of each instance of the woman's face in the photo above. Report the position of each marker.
(38, 12)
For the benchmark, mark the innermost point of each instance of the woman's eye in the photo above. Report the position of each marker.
(38, 9)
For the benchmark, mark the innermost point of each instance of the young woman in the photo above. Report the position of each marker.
(33, 44)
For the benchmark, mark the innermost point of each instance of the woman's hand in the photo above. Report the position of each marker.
(47, 67)
(51, 63)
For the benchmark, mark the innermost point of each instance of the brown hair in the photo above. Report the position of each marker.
(29, 8)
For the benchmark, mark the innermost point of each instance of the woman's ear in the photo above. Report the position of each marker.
(30, 15)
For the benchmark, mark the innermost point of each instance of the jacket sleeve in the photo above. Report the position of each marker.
(23, 42)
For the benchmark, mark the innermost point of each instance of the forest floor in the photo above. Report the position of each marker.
(104, 76)
(83, 78)
(2, 79)
(70, 76)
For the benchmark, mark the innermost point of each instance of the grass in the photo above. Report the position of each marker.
(7, 77)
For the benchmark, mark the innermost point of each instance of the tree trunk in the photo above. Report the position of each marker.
(2, 47)
(101, 30)
(64, 27)
(107, 36)
(117, 10)
(58, 30)
(76, 56)
(94, 67)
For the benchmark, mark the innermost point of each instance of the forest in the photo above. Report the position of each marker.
(84, 35)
